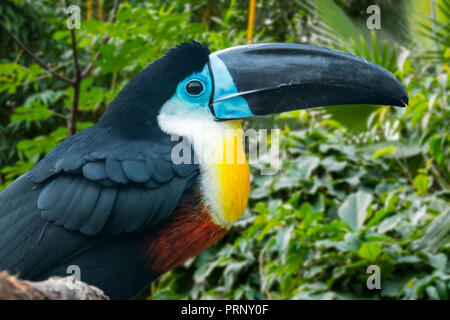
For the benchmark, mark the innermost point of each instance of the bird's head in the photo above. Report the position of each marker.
(250, 80)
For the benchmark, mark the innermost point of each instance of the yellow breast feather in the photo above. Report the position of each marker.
(233, 175)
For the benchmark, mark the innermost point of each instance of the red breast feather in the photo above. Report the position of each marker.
(186, 234)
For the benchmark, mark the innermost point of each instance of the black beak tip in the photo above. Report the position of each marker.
(401, 97)
(404, 99)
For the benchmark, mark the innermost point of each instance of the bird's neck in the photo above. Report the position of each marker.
(225, 181)
(225, 176)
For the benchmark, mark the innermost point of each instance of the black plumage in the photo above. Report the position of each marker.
(94, 196)
(133, 112)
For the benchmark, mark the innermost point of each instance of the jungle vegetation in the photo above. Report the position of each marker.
(354, 189)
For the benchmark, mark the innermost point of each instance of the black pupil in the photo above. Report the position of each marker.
(194, 87)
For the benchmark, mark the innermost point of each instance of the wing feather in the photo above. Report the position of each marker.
(92, 187)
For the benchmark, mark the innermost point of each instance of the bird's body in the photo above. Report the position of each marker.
(115, 201)
(198, 219)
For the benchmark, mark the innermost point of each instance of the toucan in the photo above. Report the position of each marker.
(112, 202)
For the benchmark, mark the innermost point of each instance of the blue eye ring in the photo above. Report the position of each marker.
(194, 88)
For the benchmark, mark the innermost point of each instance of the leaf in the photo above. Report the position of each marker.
(259, 193)
(432, 292)
(354, 210)
(231, 272)
(36, 112)
(418, 215)
(407, 259)
(437, 149)
(389, 224)
(337, 21)
(401, 150)
(347, 150)
(352, 241)
(12, 75)
(204, 271)
(285, 183)
(382, 152)
(436, 234)
(58, 35)
(370, 251)
(306, 165)
(438, 261)
(283, 238)
(421, 182)
(332, 165)
(353, 177)
(353, 117)
(392, 287)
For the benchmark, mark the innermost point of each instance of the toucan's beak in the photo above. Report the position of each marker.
(264, 79)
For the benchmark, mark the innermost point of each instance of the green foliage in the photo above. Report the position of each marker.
(355, 188)
(312, 230)
(343, 202)
(439, 31)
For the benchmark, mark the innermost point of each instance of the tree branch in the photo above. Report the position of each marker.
(112, 19)
(55, 288)
(261, 274)
(34, 57)
(77, 76)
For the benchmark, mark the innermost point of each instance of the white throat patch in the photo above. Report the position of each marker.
(204, 134)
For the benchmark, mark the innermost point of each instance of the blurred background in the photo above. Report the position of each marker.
(354, 189)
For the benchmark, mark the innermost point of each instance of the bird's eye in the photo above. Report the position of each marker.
(194, 88)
